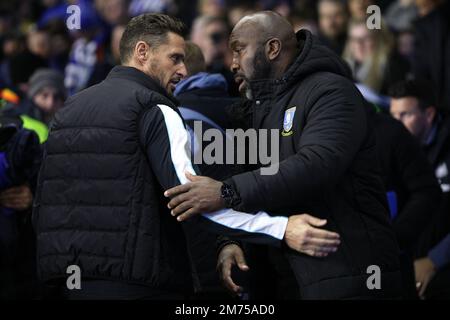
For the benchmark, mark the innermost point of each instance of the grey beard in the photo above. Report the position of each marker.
(249, 94)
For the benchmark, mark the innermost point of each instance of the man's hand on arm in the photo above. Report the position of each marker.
(201, 195)
(303, 234)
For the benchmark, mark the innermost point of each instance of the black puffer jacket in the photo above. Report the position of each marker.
(99, 203)
(328, 168)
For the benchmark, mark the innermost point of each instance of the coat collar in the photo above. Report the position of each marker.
(135, 75)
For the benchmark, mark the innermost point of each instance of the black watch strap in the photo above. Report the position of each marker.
(229, 195)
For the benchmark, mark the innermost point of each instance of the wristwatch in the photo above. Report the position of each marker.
(229, 196)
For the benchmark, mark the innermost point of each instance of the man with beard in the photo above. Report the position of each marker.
(111, 152)
(327, 165)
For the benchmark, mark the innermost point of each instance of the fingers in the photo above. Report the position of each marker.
(13, 192)
(188, 214)
(315, 253)
(322, 243)
(192, 177)
(225, 274)
(16, 204)
(240, 260)
(181, 207)
(182, 188)
(322, 234)
(314, 221)
(17, 198)
(176, 200)
(422, 291)
(422, 288)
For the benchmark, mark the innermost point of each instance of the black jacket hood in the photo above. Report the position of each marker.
(314, 57)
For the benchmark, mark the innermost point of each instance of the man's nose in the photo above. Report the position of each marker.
(182, 71)
(234, 66)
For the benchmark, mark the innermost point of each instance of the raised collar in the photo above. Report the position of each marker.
(135, 75)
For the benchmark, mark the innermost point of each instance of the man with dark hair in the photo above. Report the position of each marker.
(327, 164)
(194, 60)
(210, 34)
(111, 152)
(414, 104)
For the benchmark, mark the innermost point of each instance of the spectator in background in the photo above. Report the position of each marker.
(60, 43)
(38, 43)
(237, 9)
(116, 35)
(414, 104)
(211, 8)
(303, 16)
(372, 57)
(211, 35)
(401, 14)
(431, 59)
(138, 7)
(399, 17)
(113, 12)
(12, 45)
(21, 67)
(46, 93)
(425, 7)
(412, 190)
(358, 8)
(333, 21)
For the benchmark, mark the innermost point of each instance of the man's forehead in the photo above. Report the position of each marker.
(242, 34)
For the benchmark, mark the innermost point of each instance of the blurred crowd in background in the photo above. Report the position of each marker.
(34, 35)
(42, 62)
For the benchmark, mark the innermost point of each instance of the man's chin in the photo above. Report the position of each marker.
(170, 89)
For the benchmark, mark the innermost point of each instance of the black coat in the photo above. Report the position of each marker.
(432, 52)
(438, 153)
(409, 177)
(100, 202)
(327, 168)
(406, 171)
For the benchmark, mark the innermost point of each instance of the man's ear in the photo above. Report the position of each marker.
(430, 115)
(273, 48)
(141, 51)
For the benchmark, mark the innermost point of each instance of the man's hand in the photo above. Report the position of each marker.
(18, 198)
(425, 270)
(229, 256)
(201, 195)
(302, 235)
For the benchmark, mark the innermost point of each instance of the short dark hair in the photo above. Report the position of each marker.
(420, 89)
(148, 27)
(194, 60)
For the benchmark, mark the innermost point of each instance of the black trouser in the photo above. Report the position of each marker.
(110, 290)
